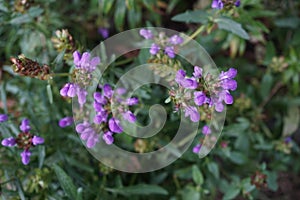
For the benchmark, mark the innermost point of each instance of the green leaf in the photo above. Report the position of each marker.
(270, 53)
(238, 158)
(120, 14)
(49, 93)
(272, 180)
(291, 121)
(141, 189)
(106, 5)
(197, 175)
(232, 26)
(190, 193)
(289, 22)
(197, 16)
(185, 173)
(66, 182)
(231, 193)
(214, 169)
(266, 85)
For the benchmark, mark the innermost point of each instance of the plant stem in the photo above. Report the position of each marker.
(61, 74)
(195, 34)
(272, 93)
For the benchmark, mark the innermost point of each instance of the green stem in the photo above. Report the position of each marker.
(61, 74)
(122, 62)
(195, 34)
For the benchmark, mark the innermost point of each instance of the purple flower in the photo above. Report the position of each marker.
(108, 138)
(81, 93)
(100, 117)
(230, 74)
(237, 3)
(197, 148)
(114, 125)
(3, 118)
(132, 101)
(129, 116)
(25, 157)
(219, 107)
(92, 140)
(107, 91)
(85, 62)
(217, 4)
(176, 39)
(66, 121)
(206, 130)
(9, 142)
(36, 140)
(120, 91)
(288, 139)
(104, 32)
(88, 134)
(199, 98)
(170, 51)
(189, 83)
(229, 84)
(154, 49)
(180, 76)
(25, 127)
(81, 127)
(68, 90)
(147, 34)
(197, 72)
(193, 113)
(100, 98)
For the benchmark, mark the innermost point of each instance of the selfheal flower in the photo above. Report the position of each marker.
(230, 74)
(68, 90)
(193, 113)
(147, 34)
(66, 121)
(180, 76)
(129, 116)
(81, 93)
(154, 49)
(237, 3)
(37, 140)
(100, 117)
(176, 39)
(85, 62)
(100, 98)
(197, 72)
(197, 148)
(104, 32)
(132, 101)
(170, 51)
(288, 139)
(199, 98)
(206, 130)
(9, 142)
(3, 118)
(217, 4)
(108, 138)
(88, 134)
(114, 125)
(107, 91)
(229, 84)
(189, 83)
(25, 157)
(25, 127)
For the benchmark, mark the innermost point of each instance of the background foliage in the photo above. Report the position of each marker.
(255, 159)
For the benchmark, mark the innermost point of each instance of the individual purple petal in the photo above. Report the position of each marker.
(217, 4)
(114, 125)
(180, 76)
(129, 116)
(229, 84)
(154, 49)
(72, 90)
(25, 127)
(237, 3)
(100, 98)
(3, 117)
(93, 64)
(199, 98)
(9, 142)
(108, 138)
(228, 98)
(197, 72)
(107, 91)
(76, 57)
(170, 51)
(132, 101)
(230, 74)
(176, 39)
(86, 133)
(100, 117)
(206, 130)
(66, 121)
(197, 148)
(81, 127)
(81, 94)
(288, 139)
(92, 140)
(219, 107)
(147, 34)
(104, 32)
(193, 113)
(64, 90)
(189, 83)
(25, 157)
(37, 140)
(120, 91)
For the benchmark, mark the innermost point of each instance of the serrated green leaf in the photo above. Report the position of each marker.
(65, 182)
(141, 189)
(119, 16)
(197, 16)
(197, 175)
(232, 26)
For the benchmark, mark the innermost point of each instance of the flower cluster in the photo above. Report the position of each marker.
(25, 140)
(84, 66)
(162, 43)
(219, 4)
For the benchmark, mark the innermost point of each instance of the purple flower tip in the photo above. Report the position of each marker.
(129, 116)
(114, 125)
(100, 98)
(180, 75)
(25, 157)
(66, 121)
(37, 140)
(9, 142)
(132, 101)
(104, 32)
(3, 118)
(197, 148)
(193, 113)
(197, 72)
(199, 98)
(206, 130)
(24, 127)
(237, 3)
(108, 138)
(189, 83)
(81, 94)
(76, 57)
(217, 4)
(154, 49)
(176, 39)
(107, 91)
(170, 51)
(147, 34)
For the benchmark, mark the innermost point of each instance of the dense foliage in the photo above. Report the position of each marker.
(257, 154)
